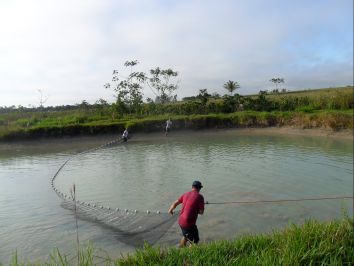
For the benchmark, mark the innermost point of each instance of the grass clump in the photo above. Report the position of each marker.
(313, 243)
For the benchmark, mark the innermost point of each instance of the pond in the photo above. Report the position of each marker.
(151, 171)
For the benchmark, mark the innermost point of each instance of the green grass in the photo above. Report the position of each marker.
(313, 243)
(314, 93)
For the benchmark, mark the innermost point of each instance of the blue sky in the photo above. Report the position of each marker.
(68, 49)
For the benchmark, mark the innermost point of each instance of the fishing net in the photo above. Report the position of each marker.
(132, 227)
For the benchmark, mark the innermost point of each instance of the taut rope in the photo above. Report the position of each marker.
(281, 200)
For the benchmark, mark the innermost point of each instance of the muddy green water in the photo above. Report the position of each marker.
(151, 171)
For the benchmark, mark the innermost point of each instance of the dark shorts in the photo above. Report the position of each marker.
(167, 129)
(191, 233)
(125, 139)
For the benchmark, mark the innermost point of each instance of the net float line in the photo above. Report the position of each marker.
(132, 227)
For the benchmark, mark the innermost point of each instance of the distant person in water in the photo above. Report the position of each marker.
(193, 204)
(125, 135)
(168, 126)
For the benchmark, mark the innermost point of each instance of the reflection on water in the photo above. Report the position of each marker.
(151, 171)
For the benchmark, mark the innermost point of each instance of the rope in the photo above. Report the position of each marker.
(278, 201)
(93, 206)
(62, 195)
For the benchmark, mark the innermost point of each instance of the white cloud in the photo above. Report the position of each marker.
(69, 48)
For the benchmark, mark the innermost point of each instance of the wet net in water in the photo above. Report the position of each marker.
(132, 227)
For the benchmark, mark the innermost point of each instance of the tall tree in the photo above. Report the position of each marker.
(160, 80)
(42, 99)
(129, 90)
(231, 86)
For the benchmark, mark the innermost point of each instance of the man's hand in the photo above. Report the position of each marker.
(173, 206)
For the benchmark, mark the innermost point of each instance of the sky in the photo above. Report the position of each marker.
(68, 49)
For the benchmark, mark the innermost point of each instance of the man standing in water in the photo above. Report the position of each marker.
(193, 204)
(168, 126)
(125, 135)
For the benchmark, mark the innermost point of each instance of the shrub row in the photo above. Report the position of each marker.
(335, 99)
(334, 120)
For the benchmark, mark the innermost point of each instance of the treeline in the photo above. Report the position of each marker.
(83, 105)
(204, 103)
(331, 108)
(334, 100)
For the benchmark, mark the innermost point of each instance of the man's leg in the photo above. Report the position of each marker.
(185, 238)
(193, 235)
(183, 242)
(196, 234)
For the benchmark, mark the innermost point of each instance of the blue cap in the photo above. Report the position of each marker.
(197, 184)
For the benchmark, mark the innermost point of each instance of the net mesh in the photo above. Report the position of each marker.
(131, 227)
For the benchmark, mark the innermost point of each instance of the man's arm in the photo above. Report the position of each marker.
(201, 205)
(173, 206)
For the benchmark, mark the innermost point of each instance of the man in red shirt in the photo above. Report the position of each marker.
(192, 205)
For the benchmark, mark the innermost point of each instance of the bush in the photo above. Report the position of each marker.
(305, 109)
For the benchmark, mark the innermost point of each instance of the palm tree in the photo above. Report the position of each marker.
(277, 81)
(231, 86)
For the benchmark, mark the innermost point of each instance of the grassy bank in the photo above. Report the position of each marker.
(330, 108)
(53, 127)
(313, 243)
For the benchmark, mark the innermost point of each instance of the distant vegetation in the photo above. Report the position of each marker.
(332, 108)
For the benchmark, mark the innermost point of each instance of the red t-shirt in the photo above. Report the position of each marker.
(193, 202)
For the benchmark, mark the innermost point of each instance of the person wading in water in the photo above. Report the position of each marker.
(193, 204)
(168, 126)
(125, 135)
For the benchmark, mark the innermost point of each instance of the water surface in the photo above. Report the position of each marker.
(151, 171)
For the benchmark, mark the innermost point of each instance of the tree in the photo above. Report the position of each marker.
(42, 99)
(229, 103)
(102, 102)
(149, 100)
(129, 90)
(203, 96)
(231, 86)
(160, 80)
(101, 105)
(262, 102)
(84, 105)
(215, 95)
(277, 81)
